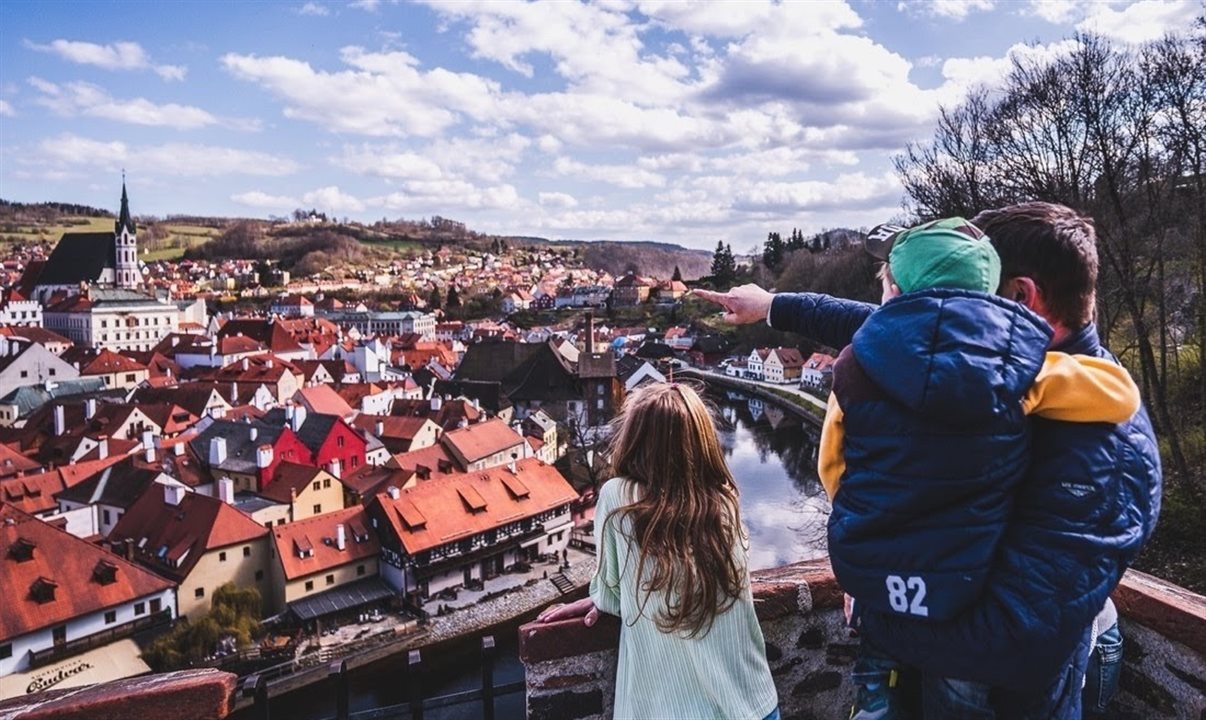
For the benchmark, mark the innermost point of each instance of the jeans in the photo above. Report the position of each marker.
(952, 699)
(774, 715)
(876, 675)
(1101, 675)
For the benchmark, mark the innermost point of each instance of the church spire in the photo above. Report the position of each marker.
(124, 220)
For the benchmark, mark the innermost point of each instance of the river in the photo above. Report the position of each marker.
(772, 454)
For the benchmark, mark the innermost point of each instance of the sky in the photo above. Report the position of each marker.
(682, 122)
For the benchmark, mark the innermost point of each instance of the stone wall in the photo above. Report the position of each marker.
(571, 668)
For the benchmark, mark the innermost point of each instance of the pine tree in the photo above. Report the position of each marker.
(772, 252)
(434, 300)
(454, 298)
(678, 275)
(724, 266)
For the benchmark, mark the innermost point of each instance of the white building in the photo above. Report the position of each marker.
(117, 319)
(61, 592)
(21, 312)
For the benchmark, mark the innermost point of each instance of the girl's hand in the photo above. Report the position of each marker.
(584, 608)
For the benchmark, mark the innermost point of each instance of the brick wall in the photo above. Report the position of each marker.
(571, 668)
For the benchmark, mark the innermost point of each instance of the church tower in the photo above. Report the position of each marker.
(126, 246)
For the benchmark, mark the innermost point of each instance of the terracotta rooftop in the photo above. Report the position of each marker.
(171, 538)
(288, 479)
(316, 536)
(107, 361)
(323, 399)
(481, 440)
(84, 577)
(432, 514)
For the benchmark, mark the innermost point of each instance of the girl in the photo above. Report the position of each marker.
(672, 566)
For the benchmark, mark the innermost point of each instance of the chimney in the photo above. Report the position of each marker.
(253, 433)
(148, 446)
(60, 420)
(89, 409)
(246, 364)
(263, 456)
(335, 467)
(173, 494)
(436, 402)
(178, 449)
(268, 363)
(590, 332)
(380, 428)
(234, 393)
(217, 451)
(511, 468)
(127, 549)
(102, 447)
(290, 409)
(341, 540)
(226, 490)
(394, 493)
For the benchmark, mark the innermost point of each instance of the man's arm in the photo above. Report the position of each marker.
(828, 320)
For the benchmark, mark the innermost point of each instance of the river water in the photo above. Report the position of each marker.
(772, 454)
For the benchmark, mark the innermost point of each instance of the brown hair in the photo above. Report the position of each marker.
(1053, 245)
(685, 518)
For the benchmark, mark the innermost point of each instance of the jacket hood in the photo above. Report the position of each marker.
(953, 356)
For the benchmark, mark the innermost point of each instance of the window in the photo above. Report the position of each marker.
(6, 651)
(222, 556)
(309, 585)
(53, 371)
(355, 461)
(110, 617)
(129, 377)
(156, 605)
(199, 593)
(140, 609)
(246, 551)
(318, 509)
(24, 373)
(330, 579)
(107, 517)
(360, 570)
(317, 485)
(339, 441)
(259, 575)
(326, 482)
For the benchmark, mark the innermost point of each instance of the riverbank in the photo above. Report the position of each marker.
(807, 406)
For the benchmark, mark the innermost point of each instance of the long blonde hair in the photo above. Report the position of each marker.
(686, 520)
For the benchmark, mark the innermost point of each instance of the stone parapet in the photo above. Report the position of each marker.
(571, 668)
(184, 695)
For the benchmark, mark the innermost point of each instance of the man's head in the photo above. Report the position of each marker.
(1048, 260)
(947, 253)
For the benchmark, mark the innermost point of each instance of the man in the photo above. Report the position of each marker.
(1087, 505)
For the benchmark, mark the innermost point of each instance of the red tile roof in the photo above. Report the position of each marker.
(438, 513)
(171, 538)
(481, 440)
(87, 578)
(323, 399)
(317, 536)
(34, 492)
(107, 361)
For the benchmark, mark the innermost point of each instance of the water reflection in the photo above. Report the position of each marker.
(772, 455)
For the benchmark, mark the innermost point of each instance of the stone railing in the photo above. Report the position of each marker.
(184, 695)
(571, 668)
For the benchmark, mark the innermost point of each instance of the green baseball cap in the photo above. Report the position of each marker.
(947, 253)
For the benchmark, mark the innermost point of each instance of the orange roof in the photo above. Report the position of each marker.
(393, 426)
(316, 536)
(437, 513)
(107, 361)
(290, 477)
(429, 462)
(324, 400)
(85, 578)
(172, 538)
(481, 440)
(34, 492)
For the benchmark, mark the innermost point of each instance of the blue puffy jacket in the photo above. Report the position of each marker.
(935, 446)
(1085, 508)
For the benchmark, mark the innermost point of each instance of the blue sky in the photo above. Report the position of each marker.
(648, 120)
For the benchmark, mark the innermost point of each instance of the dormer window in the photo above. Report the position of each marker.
(42, 590)
(22, 550)
(105, 573)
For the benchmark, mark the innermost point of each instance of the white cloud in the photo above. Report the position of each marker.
(72, 153)
(313, 8)
(1058, 12)
(80, 98)
(557, 200)
(7, 110)
(368, 5)
(956, 10)
(438, 196)
(114, 56)
(1141, 21)
(855, 191)
(962, 74)
(258, 199)
(332, 199)
(382, 94)
(625, 176)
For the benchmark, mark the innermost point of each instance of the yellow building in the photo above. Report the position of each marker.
(322, 557)
(199, 541)
(308, 491)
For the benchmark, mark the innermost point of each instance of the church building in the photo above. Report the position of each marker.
(99, 259)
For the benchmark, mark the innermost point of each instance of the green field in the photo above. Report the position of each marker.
(24, 233)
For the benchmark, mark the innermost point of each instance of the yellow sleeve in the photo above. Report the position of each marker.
(1081, 388)
(831, 462)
